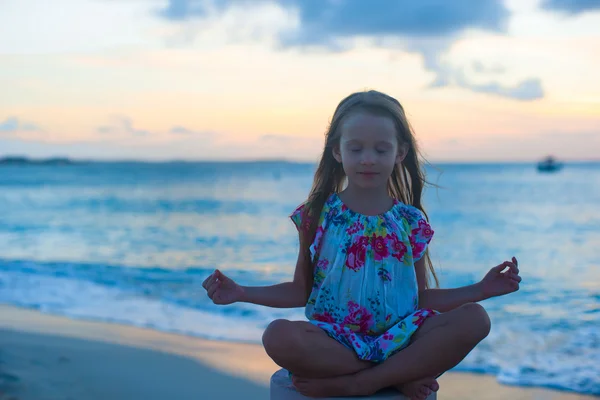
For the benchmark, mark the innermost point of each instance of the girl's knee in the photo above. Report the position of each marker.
(477, 321)
(275, 332)
(280, 338)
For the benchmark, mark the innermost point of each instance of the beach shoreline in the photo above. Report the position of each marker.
(44, 356)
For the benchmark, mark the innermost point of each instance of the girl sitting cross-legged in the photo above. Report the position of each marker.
(363, 270)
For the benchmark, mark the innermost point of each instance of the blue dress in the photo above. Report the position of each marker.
(365, 292)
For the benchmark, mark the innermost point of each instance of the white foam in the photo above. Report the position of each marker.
(86, 300)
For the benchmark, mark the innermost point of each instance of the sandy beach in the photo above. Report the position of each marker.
(49, 357)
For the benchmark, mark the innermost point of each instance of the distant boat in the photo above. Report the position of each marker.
(549, 164)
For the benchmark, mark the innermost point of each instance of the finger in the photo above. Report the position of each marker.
(205, 283)
(211, 290)
(221, 276)
(515, 265)
(511, 275)
(512, 267)
(211, 281)
(212, 285)
(501, 267)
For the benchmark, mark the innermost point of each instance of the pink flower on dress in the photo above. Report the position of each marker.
(357, 254)
(324, 317)
(337, 328)
(358, 317)
(318, 236)
(398, 247)
(301, 214)
(322, 264)
(380, 247)
(420, 316)
(417, 247)
(424, 230)
(355, 227)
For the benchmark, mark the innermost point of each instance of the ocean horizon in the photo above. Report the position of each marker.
(259, 160)
(130, 242)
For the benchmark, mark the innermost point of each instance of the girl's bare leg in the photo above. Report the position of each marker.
(440, 344)
(307, 351)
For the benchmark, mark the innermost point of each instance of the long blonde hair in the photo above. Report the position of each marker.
(406, 182)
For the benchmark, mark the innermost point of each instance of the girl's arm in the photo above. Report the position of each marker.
(495, 283)
(223, 290)
(444, 300)
(283, 295)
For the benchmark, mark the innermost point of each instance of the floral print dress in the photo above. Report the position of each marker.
(365, 292)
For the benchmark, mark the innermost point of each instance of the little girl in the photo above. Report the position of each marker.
(363, 269)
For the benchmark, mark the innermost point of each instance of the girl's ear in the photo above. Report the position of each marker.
(402, 153)
(337, 154)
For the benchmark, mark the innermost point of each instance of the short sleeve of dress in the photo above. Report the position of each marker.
(420, 235)
(300, 219)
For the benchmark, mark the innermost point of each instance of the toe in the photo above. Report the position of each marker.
(434, 386)
(422, 396)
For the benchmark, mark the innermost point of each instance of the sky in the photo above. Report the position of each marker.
(480, 80)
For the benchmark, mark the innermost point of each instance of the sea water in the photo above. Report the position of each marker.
(132, 242)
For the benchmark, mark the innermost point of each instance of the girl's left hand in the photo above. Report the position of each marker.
(498, 283)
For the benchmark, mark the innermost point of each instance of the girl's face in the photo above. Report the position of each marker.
(369, 149)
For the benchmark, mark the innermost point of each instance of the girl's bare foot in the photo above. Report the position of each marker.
(328, 387)
(419, 389)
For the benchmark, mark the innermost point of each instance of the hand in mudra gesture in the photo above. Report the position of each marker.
(502, 279)
(221, 289)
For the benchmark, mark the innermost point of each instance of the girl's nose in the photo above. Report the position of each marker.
(367, 159)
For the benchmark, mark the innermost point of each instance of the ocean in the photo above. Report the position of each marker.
(132, 242)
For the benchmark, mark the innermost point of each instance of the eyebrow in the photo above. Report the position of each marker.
(380, 143)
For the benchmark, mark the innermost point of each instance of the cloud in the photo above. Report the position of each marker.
(347, 18)
(182, 9)
(572, 6)
(478, 66)
(529, 89)
(123, 128)
(181, 130)
(447, 75)
(426, 27)
(14, 124)
(122, 125)
(75, 25)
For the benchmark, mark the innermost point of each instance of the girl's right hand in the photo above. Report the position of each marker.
(221, 289)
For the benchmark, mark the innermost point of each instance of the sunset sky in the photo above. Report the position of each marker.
(247, 79)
